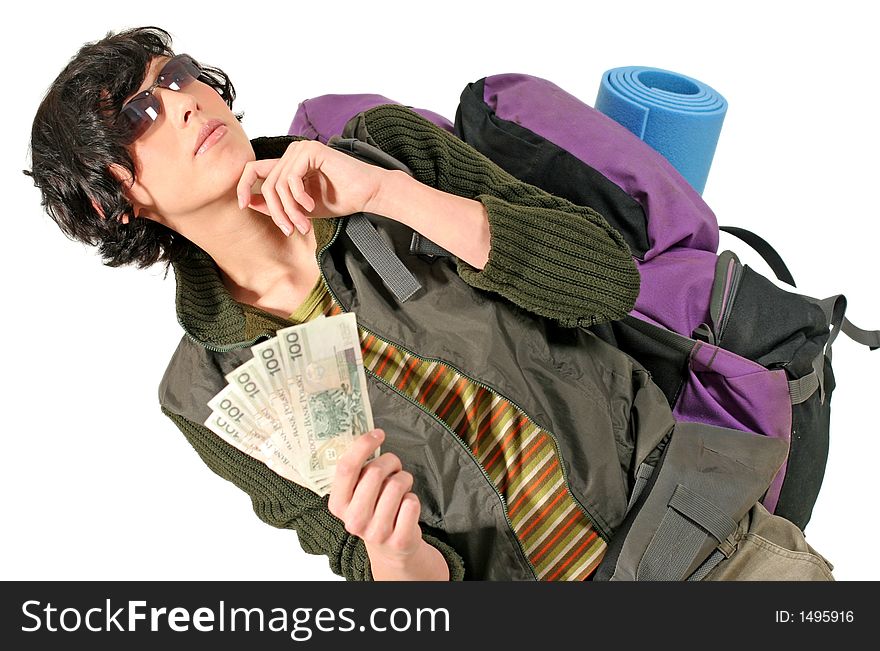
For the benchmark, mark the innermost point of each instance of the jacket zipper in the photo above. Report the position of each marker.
(593, 520)
(465, 448)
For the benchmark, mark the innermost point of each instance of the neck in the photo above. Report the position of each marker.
(258, 264)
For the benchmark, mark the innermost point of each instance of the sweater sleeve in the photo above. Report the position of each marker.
(548, 255)
(287, 505)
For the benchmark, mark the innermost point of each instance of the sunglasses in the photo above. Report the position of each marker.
(141, 111)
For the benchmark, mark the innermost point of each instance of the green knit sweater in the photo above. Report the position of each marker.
(548, 255)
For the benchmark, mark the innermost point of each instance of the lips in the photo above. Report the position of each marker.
(206, 132)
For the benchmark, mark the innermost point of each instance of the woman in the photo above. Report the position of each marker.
(511, 445)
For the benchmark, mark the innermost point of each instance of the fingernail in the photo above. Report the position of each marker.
(240, 202)
(302, 228)
(377, 434)
(285, 229)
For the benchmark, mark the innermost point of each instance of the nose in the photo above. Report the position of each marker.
(179, 106)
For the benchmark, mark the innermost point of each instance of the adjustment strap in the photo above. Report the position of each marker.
(681, 535)
(421, 245)
(708, 565)
(802, 388)
(643, 474)
(381, 257)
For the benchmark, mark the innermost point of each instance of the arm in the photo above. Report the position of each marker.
(463, 229)
(542, 252)
(286, 505)
(546, 254)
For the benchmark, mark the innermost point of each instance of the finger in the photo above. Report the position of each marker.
(276, 208)
(387, 506)
(298, 163)
(253, 171)
(292, 208)
(302, 195)
(348, 470)
(407, 531)
(366, 493)
(302, 163)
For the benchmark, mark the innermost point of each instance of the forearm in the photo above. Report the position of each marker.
(545, 254)
(427, 564)
(458, 224)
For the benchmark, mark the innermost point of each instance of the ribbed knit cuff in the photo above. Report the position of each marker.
(552, 263)
(356, 561)
(453, 560)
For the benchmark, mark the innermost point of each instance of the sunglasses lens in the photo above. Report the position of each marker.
(179, 72)
(138, 115)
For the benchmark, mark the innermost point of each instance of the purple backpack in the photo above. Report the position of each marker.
(727, 347)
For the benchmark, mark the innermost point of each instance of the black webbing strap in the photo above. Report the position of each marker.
(767, 252)
(421, 245)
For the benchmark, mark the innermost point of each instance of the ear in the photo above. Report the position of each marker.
(136, 193)
(100, 211)
(122, 175)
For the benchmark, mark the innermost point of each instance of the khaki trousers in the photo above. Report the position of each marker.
(771, 548)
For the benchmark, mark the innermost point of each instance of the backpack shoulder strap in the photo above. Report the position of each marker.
(377, 251)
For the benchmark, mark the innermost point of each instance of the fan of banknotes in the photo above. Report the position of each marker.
(300, 403)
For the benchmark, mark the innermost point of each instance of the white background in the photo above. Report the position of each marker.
(98, 484)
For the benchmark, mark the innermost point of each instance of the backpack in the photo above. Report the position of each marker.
(727, 347)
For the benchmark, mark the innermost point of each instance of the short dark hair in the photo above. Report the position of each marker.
(75, 139)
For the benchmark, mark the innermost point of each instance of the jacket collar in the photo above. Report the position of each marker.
(205, 309)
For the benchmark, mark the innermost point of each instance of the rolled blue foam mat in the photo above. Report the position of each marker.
(678, 116)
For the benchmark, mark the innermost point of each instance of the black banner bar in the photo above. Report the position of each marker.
(282, 615)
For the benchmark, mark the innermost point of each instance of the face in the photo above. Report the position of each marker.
(174, 178)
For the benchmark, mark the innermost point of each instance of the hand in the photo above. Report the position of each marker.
(375, 503)
(311, 181)
(374, 500)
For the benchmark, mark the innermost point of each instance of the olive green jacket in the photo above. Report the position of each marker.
(554, 268)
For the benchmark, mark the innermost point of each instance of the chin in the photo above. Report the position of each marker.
(223, 175)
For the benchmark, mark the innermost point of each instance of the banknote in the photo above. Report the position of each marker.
(259, 448)
(271, 378)
(239, 425)
(253, 388)
(300, 403)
